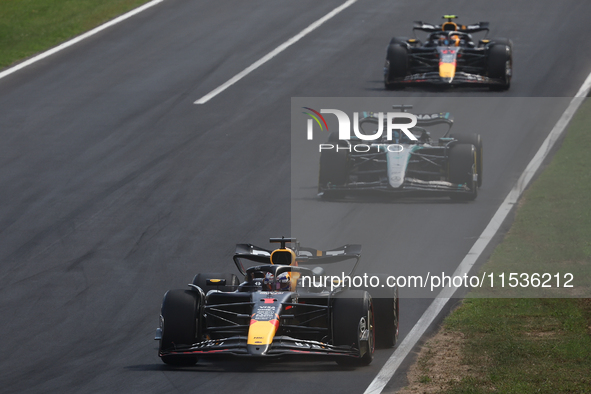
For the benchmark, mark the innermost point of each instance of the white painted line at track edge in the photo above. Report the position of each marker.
(273, 53)
(79, 38)
(415, 334)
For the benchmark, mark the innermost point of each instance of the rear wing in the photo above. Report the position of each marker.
(423, 120)
(254, 253)
(435, 119)
(309, 256)
(304, 256)
(430, 28)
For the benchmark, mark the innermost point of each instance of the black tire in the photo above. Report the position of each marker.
(399, 41)
(462, 167)
(352, 314)
(476, 140)
(181, 325)
(385, 308)
(200, 280)
(496, 41)
(396, 66)
(333, 165)
(502, 41)
(500, 63)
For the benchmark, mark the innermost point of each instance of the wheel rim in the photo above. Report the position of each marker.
(366, 328)
(508, 72)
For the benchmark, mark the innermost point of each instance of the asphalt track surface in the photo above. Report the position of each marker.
(115, 187)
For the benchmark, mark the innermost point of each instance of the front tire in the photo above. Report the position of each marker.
(399, 41)
(386, 312)
(476, 140)
(462, 168)
(500, 63)
(352, 322)
(396, 66)
(180, 325)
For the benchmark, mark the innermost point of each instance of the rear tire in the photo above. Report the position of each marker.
(232, 281)
(352, 317)
(462, 167)
(475, 140)
(396, 66)
(500, 63)
(181, 325)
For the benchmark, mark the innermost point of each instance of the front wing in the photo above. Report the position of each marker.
(410, 185)
(281, 346)
(460, 78)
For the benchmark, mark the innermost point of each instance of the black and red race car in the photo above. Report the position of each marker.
(283, 307)
(449, 56)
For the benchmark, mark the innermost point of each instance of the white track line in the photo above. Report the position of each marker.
(79, 38)
(388, 370)
(273, 53)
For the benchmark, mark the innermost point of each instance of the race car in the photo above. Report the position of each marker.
(449, 56)
(450, 166)
(283, 308)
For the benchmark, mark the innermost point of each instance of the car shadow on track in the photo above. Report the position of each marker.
(378, 86)
(383, 198)
(259, 366)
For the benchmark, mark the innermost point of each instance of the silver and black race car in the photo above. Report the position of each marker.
(283, 307)
(449, 56)
(451, 165)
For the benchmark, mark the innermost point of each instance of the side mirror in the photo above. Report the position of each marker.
(318, 271)
(215, 282)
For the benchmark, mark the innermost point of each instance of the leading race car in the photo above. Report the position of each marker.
(449, 56)
(452, 165)
(282, 308)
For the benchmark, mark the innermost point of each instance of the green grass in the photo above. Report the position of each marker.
(525, 345)
(552, 228)
(424, 379)
(531, 345)
(28, 27)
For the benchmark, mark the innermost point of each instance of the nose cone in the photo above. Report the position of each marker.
(260, 336)
(447, 71)
(257, 350)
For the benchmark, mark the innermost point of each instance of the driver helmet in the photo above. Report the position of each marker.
(280, 283)
(444, 41)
